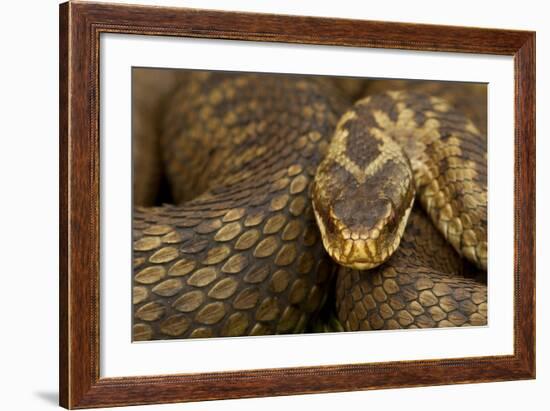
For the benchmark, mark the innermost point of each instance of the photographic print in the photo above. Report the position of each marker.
(277, 204)
(241, 193)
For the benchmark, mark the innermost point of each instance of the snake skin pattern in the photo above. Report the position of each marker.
(469, 99)
(366, 169)
(244, 257)
(424, 284)
(240, 253)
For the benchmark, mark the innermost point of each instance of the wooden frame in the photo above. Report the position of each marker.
(80, 27)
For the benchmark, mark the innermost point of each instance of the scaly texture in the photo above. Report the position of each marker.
(470, 99)
(364, 187)
(241, 255)
(363, 191)
(421, 286)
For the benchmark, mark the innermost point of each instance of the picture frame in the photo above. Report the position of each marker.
(81, 384)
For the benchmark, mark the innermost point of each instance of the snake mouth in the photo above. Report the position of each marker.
(362, 254)
(364, 249)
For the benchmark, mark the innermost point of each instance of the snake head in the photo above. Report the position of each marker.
(361, 209)
(359, 231)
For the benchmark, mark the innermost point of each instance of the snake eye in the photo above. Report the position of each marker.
(391, 221)
(329, 224)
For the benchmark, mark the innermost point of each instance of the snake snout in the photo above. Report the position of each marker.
(361, 232)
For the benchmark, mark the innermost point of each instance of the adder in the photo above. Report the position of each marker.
(291, 198)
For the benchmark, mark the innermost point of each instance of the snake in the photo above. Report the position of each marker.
(301, 204)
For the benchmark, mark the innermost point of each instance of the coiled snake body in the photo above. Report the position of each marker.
(241, 252)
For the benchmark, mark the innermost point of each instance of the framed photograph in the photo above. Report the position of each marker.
(259, 205)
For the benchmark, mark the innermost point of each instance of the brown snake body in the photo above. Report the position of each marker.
(241, 254)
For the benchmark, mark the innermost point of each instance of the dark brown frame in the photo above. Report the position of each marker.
(80, 27)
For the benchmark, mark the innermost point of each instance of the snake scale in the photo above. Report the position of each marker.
(267, 173)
